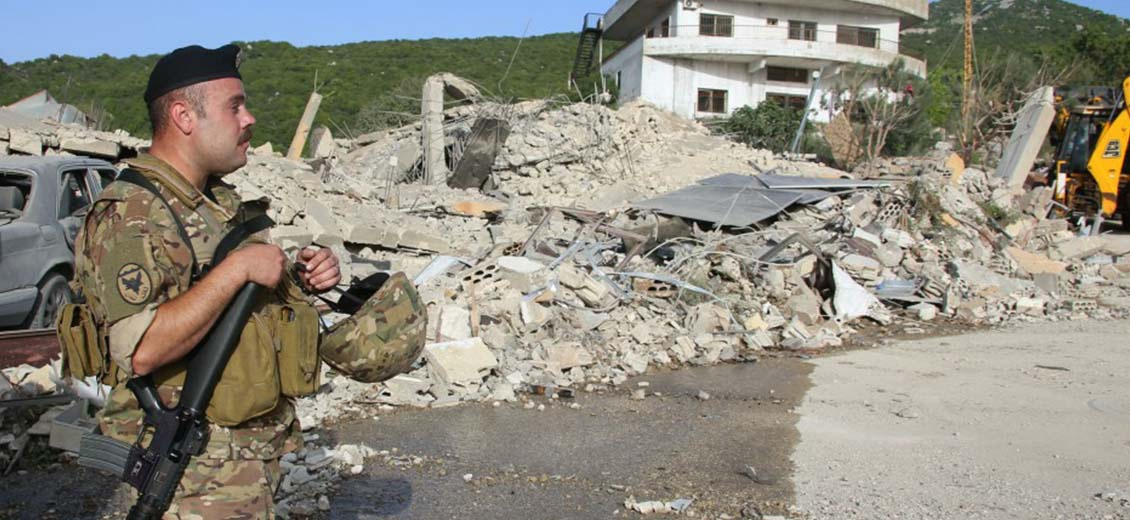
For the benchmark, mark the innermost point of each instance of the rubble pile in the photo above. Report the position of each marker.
(527, 293)
(21, 135)
(554, 279)
(17, 428)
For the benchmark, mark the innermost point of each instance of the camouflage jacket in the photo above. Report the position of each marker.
(130, 258)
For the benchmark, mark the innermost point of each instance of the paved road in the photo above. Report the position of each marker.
(1027, 423)
(583, 463)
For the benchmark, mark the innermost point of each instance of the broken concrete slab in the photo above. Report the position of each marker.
(1029, 306)
(405, 390)
(320, 219)
(90, 147)
(1028, 136)
(322, 143)
(460, 362)
(533, 314)
(986, 283)
(25, 142)
(563, 356)
(1035, 263)
(924, 311)
(1078, 248)
(523, 274)
(805, 305)
(454, 323)
(862, 266)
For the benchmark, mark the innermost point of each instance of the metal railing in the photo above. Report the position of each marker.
(780, 32)
(593, 21)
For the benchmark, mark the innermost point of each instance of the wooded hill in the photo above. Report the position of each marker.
(373, 84)
(365, 84)
(1063, 32)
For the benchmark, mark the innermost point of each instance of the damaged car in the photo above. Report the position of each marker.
(43, 201)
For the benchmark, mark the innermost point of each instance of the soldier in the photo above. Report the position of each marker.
(144, 270)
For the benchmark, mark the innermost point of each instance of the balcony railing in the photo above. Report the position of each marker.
(762, 32)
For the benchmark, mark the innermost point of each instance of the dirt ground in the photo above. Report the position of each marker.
(1028, 422)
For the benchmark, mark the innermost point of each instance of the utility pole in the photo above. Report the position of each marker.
(967, 69)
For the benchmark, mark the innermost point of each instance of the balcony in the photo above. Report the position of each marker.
(754, 43)
(626, 18)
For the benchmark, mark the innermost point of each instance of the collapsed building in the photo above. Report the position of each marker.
(568, 247)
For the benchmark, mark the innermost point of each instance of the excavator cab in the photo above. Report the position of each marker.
(1091, 170)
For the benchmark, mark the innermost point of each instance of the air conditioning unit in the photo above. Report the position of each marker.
(691, 5)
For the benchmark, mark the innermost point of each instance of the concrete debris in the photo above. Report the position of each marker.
(322, 143)
(1032, 125)
(460, 362)
(924, 311)
(20, 134)
(518, 300)
(677, 506)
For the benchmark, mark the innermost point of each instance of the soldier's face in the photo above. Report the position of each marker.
(225, 132)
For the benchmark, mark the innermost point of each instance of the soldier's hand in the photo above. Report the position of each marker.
(263, 264)
(322, 269)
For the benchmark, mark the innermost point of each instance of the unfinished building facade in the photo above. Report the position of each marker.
(702, 59)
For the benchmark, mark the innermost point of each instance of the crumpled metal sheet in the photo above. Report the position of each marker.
(722, 205)
(737, 180)
(794, 182)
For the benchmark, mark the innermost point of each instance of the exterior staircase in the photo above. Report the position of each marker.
(591, 32)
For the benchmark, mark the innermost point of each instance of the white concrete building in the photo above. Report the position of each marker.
(704, 58)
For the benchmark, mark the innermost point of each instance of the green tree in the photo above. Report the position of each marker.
(879, 104)
(1105, 56)
(770, 125)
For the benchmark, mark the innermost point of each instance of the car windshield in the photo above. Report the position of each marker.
(15, 188)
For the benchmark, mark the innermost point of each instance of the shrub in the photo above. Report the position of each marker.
(770, 125)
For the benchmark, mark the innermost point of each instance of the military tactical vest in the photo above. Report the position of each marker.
(277, 354)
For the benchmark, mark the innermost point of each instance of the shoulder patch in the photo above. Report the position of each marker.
(134, 284)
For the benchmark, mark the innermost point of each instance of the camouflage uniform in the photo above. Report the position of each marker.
(129, 260)
(383, 338)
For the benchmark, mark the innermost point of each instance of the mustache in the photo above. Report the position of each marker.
(245, 136)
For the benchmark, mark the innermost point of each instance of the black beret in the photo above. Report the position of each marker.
(190, 65)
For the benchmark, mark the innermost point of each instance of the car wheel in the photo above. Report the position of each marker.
(53, 294)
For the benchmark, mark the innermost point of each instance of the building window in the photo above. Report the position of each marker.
(712, 101)
(785, 100)
(771, 22)
(802, 30)
(715, 25)
(786, 74)
(619, 78)
(665, 28)
(651, 32)
(861, 36)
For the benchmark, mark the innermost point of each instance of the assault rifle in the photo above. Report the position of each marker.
(180, 432)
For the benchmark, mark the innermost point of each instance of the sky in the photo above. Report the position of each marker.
(126, 27)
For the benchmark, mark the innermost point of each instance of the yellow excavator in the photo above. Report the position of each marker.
(1091, 171)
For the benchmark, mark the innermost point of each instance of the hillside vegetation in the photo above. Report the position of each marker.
(364, 84)
(370, 85)
(1055, 31)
